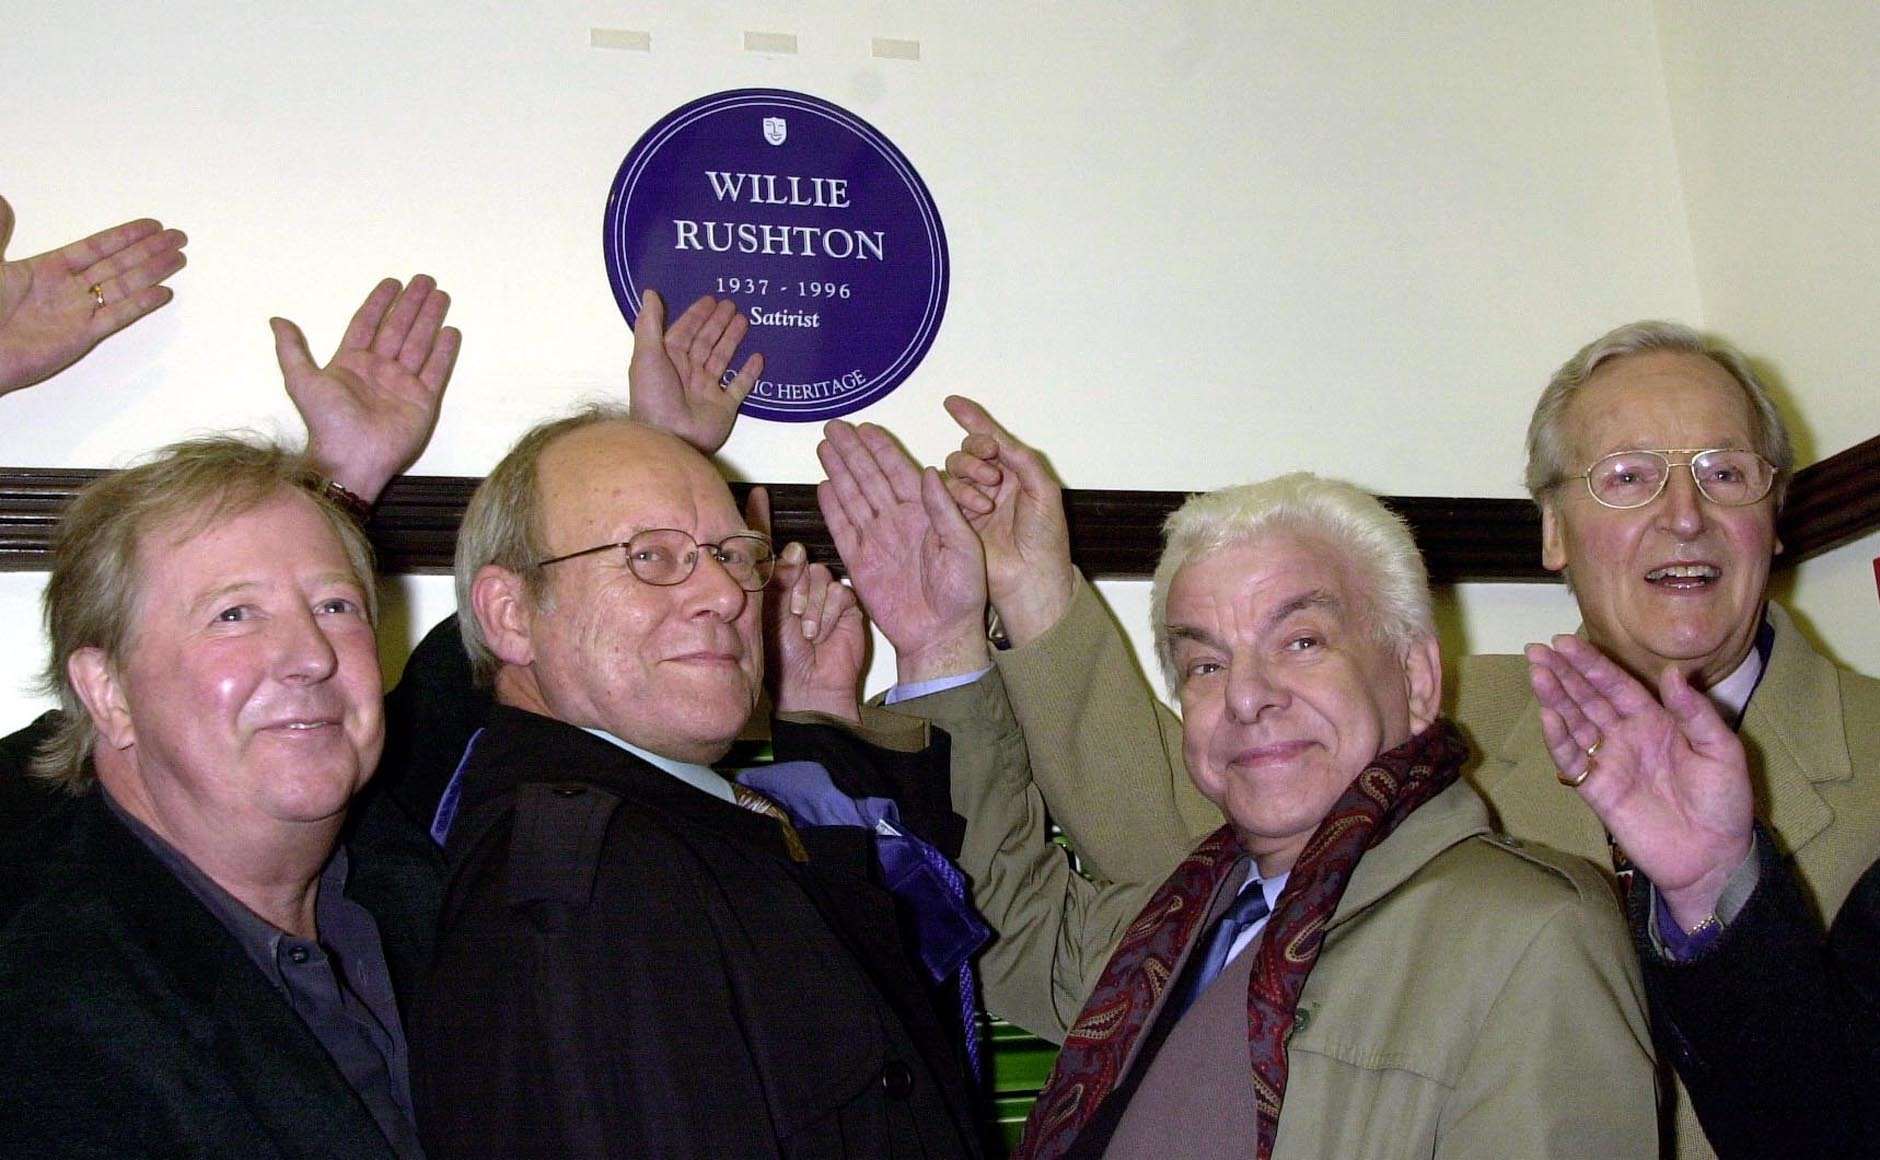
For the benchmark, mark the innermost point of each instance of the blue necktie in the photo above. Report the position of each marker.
(1206, 964)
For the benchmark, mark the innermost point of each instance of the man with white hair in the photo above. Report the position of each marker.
(1658, 461)
(1355, 964)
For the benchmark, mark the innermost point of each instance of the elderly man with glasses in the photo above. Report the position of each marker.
(1658, 460)
(637, 955)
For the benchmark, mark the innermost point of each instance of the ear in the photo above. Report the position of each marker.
(102, 691)
(500, 602)
(1553, 537)
(1423, 678)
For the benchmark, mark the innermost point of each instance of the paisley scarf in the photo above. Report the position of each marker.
(1123, 1006)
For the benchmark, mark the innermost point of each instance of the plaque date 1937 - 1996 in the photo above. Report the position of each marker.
(762, 287)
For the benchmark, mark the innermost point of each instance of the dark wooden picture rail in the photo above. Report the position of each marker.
(1114, 534)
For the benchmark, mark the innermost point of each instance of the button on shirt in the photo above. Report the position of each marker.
(339, 985)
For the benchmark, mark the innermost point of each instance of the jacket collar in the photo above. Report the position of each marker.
(1454, 815)
(1795, 751)
(518, 747)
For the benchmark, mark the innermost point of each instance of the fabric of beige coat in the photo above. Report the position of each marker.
(1475, 996)
(1107, 754)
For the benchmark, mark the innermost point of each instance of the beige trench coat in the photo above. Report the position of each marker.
(1475, 996)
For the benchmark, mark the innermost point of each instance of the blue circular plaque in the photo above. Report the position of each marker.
(808, 218)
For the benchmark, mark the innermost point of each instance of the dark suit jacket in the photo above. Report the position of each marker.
(1775, 1031)
(22, 796)
(132, 1023)
(627, 966)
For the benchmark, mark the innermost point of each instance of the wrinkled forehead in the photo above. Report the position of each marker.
(182, 554)
(613, 479)
(1659, 399)
(1271, 576)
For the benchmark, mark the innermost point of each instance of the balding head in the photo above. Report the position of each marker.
(673, 668)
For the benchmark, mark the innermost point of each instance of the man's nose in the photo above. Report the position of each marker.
(1681, 508)
(305, 654)
(712, 588)
(1250, 690)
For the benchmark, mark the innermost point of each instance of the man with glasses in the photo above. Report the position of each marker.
(638, 956)
(1659, 460)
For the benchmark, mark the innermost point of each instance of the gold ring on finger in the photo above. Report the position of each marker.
(97, 296)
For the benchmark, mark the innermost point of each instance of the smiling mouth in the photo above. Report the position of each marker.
(1277, 753)
(1684, 577)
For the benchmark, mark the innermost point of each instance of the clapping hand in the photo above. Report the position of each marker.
(371, 409)
(818, 638)
(676, 379)
(56, 306)
(916, 565)
(1666, 775)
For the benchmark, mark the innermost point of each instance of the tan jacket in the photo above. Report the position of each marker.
(1475, 996)
(1812, 731)
(1107, 754)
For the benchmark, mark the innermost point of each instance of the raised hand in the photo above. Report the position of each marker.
(1011, 499)
(56, 306)
(371, 409)
(913, 560)
(818, 639)
(1667, 776)
(676, 379)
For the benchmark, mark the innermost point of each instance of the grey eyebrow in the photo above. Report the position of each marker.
(1317, 598)
(1305, 601)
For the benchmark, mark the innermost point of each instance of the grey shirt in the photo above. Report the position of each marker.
(339, 984)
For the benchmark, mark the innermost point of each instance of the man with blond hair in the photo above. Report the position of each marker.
(190, 961)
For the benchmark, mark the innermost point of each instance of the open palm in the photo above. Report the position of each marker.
(371, 409)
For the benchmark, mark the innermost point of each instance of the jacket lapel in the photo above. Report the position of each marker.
(1795, 736)
(1530, 802)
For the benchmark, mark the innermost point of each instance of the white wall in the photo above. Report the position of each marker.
(1191, 244)
(1774, 113)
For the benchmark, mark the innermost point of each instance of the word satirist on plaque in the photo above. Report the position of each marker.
(808, 218)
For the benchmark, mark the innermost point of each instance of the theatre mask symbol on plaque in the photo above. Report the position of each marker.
(775, 130)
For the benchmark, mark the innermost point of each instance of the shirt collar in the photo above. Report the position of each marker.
(1731, 695)
(258, 938)
(700, 777)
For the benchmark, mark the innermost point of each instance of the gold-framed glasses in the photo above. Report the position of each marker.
(1725, 475)
(667, 556)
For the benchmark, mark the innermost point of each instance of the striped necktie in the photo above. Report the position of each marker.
(757, 803)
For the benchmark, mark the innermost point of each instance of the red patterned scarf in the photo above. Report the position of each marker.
(1122, 1007)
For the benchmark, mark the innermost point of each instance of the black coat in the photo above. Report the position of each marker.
(1775, 1030)
(24, 797)
(627, 966)
(133, 1024)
